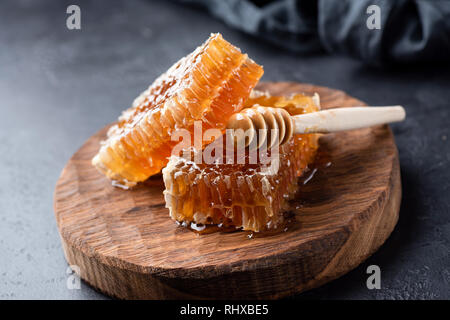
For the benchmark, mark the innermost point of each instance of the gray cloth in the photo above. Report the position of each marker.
(411, 30)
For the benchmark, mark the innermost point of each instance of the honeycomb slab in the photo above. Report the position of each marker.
(249, 196)
(209, 85)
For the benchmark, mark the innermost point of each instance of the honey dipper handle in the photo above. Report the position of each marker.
(340, 119)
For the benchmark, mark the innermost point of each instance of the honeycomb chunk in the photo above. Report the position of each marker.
(209, 85)
(250, 196)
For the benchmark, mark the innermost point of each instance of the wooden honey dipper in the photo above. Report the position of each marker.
(259, 119)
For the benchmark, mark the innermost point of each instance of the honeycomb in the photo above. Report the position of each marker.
(248, 195)
(209, 85)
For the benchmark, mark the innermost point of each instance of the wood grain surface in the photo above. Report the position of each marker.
(126, 245)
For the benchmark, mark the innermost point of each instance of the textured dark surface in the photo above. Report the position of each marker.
(58, 87)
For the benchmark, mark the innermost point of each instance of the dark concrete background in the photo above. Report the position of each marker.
(58, 87)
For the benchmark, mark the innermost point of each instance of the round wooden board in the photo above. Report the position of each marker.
(126, 246)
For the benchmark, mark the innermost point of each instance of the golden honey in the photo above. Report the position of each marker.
(247, 196)
(209, 85)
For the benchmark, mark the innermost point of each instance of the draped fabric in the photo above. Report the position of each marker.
(410, 30)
